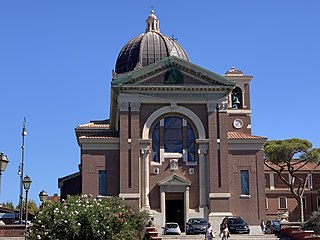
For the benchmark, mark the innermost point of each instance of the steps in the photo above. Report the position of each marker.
(233, 237)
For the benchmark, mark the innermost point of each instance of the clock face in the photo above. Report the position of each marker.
(238, 123)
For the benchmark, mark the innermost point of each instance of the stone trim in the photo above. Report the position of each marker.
(219, 195)
(179, 109)
(246, 144)
(135, 106)
(123, 106)
(129, 195)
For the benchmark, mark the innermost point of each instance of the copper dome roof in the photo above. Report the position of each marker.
(148, 48)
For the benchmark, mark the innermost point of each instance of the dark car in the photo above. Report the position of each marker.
(273, 226)
(196, 226)
(235, 225)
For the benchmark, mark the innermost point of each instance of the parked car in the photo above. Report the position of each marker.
(196, 226)
(235, 225)
(273, 226)
(171, 228)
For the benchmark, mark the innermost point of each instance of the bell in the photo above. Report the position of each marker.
(236, 101)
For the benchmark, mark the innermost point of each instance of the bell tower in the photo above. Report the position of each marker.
(239, 111)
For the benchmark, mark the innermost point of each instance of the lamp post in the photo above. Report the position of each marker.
(43, 195)
(26, 185)
(24, 133)
(3, 164)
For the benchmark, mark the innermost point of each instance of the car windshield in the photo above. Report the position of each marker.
(236, 221)
(172, 225)
(276, 223)
(199, 221)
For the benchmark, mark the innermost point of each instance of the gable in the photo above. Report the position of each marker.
(172, 71)
(174, 180)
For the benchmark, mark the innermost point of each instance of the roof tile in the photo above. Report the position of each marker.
(240, 135)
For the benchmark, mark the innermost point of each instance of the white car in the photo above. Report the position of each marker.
(171, 228)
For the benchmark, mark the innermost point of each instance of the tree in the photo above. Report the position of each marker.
(9, 205)
(290, 156)
(89, 218)
(32, 207)
(313, 223)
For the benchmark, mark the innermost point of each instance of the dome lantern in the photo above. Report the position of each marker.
(152, 23)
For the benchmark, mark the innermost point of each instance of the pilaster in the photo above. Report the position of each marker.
(135, 153)
(124, 146)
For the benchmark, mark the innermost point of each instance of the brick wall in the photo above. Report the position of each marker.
(12, 231)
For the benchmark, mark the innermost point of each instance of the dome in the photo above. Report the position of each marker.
(148, 48)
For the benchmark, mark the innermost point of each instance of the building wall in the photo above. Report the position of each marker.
(71, 187)
(92, 162)
(279, 189)
(252, 207)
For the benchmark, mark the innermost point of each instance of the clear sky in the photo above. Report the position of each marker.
(56, 60)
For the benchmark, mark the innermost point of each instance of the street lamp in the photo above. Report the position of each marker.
(3, 164)
(43, 195)
(26, 185)
(24, 133)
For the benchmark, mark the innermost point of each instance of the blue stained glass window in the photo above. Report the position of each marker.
(173, 146)
(191, 144)
(103, 183)
(173, 122)
(156, 143)
(244, 174)
(173, 135)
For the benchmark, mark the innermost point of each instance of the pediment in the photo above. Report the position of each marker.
(174, 180)
(172, 72)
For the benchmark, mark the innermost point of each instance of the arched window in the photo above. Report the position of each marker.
(173, 135)
(236, 98)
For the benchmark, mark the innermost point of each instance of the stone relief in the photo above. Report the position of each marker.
(174, 165)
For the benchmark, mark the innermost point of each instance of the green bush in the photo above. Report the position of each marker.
(313, 223)
(89, 218)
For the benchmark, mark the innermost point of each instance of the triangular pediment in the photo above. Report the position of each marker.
(172, 71)
(174, 180)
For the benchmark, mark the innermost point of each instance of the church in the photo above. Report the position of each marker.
(178, 140)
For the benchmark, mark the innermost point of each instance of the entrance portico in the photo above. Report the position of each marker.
(174, 184)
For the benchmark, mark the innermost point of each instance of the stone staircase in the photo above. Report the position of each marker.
(233, 237)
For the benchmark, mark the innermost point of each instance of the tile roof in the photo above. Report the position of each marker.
(244, 136)
(98, 137)
(307, 167)
(93, 125)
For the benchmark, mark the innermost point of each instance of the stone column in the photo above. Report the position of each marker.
(163, 205)
(144, 149)
(186, 204)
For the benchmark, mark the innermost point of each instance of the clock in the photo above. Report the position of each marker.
(238, 123)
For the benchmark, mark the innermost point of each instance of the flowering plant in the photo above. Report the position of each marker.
(89, 218)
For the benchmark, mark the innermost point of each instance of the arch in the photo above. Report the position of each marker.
(237, 98)
(173, 109)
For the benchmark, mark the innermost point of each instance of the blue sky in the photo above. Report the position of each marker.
(56, 59)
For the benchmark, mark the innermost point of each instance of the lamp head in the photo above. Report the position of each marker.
(43, 195)
(26, 182)
(3, 162)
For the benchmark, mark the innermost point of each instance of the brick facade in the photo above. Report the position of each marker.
(200, 177)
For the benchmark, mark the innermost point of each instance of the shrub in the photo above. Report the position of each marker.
(313, 223)
(89, 218)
